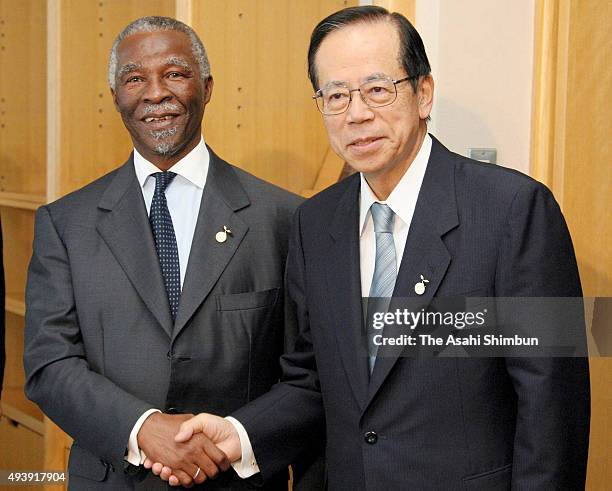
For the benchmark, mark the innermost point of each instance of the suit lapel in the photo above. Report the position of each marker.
(425, 252)
(223, 195)
(125, 229)
(344, 289)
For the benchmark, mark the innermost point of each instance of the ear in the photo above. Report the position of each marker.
(208, 88)
(425, 92)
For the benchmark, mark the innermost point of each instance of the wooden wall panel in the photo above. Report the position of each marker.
(261, 116)
(18, 233)
(587, 182)
(587, 194)
(24, 453)
(14, 377)
(23, 97)
(571, 154)
(405, 7)
(92, 138)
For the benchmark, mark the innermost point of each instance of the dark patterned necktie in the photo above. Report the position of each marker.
(165, 240)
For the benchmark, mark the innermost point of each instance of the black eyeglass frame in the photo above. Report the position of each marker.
(319, 93)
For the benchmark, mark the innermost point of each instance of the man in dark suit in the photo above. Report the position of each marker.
(417, 221)
(157, 290)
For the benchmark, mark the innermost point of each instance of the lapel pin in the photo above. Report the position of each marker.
(222, 236)
(419, 288)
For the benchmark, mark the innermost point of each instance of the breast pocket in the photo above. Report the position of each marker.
(472, 300)
(248, 300)
(250, 325)
(499, 479)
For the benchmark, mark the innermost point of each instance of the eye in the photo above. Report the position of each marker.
(378, 89)
(175, 75)
(337, 95)
(379, 93)
(133, 79)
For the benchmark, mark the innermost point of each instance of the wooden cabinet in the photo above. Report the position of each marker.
(22, 447)
(22, 190)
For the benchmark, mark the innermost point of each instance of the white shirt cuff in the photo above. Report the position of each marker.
(247, 465)
(135, 456)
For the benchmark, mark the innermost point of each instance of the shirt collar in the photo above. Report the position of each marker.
(402, 199)
(193, 166)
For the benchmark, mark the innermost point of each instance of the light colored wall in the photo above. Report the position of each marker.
(481, 52)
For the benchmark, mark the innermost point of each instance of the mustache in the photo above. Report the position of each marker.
(164, 106)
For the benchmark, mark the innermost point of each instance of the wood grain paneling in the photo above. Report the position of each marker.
(12, 391)
(587, 182)
(405, 7)
(18, 233)
(261, 116)
(22, 96)
(22, 188)
(545, 76)
(25, 451)
(571, 153)
(587, 193)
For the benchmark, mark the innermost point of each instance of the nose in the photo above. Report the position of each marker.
(358, 111)
(156, 91)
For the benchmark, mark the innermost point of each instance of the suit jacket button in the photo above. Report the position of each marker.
(169, 355)
(370, 437)
(172, 410)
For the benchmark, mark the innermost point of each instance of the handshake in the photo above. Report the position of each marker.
(185, 450)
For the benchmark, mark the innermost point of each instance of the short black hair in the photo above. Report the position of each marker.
(412, 51)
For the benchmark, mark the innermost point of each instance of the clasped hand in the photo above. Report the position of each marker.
(176, 446)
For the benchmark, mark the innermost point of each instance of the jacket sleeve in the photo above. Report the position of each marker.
(94, 411)
(282, 423)
(553, 398)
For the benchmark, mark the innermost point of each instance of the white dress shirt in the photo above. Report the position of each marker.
(402, 201)
(183, 196)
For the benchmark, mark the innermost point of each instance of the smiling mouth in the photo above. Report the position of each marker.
(362, 142)
(153, 119)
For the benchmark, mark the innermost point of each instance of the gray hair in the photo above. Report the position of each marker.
(153, 24)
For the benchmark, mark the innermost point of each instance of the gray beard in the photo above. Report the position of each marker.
(162, 147)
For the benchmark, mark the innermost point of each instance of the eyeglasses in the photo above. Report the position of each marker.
(374, 93)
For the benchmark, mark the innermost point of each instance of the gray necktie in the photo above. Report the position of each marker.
(385, 269)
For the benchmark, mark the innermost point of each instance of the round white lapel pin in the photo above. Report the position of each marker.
(419, 288)
(222, 235)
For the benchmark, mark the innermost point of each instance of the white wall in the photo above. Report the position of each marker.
(481, 52)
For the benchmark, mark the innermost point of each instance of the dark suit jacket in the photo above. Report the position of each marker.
(101, 347)
(423, 423)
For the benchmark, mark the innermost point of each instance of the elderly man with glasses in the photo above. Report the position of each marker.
(419, 222)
